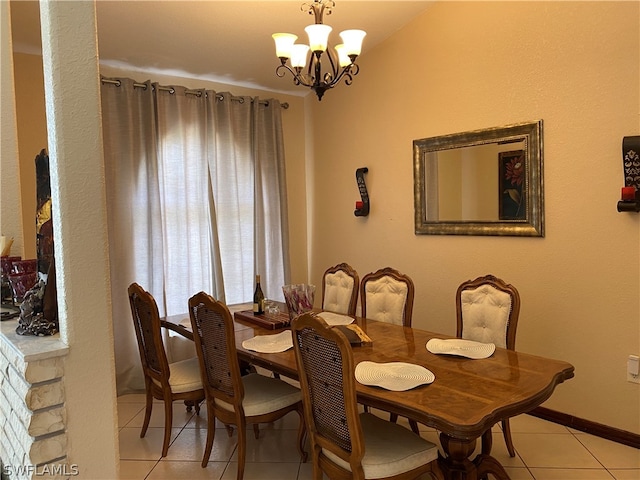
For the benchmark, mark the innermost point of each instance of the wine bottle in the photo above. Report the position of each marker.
(258, 298)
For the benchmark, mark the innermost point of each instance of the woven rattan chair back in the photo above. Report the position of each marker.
(213, 334)
(146, 322)
(325, 363)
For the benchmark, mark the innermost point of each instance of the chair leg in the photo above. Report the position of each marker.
(414, 426)
(147, 414)
(302, 434)
(168, 420)
(393, 417)
(506, 431)
(256, 430)
(211, 433)
(242, 450)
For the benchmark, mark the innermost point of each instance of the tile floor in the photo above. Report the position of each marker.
(545, 451)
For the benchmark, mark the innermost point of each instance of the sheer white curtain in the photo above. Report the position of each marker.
(196, 200)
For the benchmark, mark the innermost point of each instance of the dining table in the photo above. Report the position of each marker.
(467, 397)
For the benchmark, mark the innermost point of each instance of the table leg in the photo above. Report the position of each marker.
(456, 465)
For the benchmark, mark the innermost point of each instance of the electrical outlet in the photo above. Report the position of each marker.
(633, 369)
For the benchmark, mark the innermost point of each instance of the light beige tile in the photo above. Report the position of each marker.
(127, 411)
(571, 474)
(263, 471)
(530, 424)
(625, 474)
(172, 470)
(272, 446)
(132, 447)
(189, 446)
(518, 473)
(291, 421)
(135, 469)
(180, 416)
(552, 450)
(132, 398)
(611, 454)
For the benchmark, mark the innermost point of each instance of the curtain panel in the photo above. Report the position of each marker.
(196, 201)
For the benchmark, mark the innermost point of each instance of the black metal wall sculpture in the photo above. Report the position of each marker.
(362, 207)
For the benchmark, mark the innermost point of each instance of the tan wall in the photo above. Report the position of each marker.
(465, 66)
(32, 138)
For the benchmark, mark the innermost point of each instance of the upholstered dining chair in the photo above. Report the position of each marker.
(387, 296)
(163, 380)
(340, 289)
(232, 398)
(487, 311)
(346, 444)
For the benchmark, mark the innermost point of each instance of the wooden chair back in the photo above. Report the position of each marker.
(214, 339)
(146, 322)
(325, 363)
(487, 310)
(340, 289)
(387, 295)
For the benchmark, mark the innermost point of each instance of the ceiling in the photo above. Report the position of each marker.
(222, 41)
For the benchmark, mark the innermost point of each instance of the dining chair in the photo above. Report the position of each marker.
(487, 311)
(347, 444)
(340, 289)
(164, 381)
(231, 398)
(387, 296)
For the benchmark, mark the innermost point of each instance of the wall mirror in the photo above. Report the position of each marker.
(482, 182)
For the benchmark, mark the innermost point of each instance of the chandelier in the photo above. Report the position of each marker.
(341, 59)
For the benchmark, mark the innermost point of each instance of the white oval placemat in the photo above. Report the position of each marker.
(460, 347)
(396, 376)
(280, 342)
(335, 318)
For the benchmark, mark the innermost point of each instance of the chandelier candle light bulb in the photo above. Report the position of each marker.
(308, 71)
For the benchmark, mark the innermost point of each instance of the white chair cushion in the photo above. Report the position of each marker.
(485, 315)
(264, 395)
(338, 287)
(390, 449)
(184, 376)
(385, 299)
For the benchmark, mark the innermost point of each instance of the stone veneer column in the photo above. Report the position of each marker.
(33, 438)
(72, 98)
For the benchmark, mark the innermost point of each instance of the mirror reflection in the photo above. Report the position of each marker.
(485, 182)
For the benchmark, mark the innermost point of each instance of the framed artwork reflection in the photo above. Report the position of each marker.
(511, 184)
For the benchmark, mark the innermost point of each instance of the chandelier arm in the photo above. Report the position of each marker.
(348, 73)
(297, 78)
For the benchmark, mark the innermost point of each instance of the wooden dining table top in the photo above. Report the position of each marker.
(467, 397)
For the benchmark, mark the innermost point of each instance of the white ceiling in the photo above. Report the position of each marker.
(222, 41)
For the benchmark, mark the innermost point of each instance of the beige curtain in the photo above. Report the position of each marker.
(196, 200)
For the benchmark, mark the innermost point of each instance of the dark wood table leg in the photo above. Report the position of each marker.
(487, 464)
(456, 465)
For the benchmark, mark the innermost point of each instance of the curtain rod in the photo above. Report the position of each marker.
(198, 93)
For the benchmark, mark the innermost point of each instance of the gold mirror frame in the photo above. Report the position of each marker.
(533, 223)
